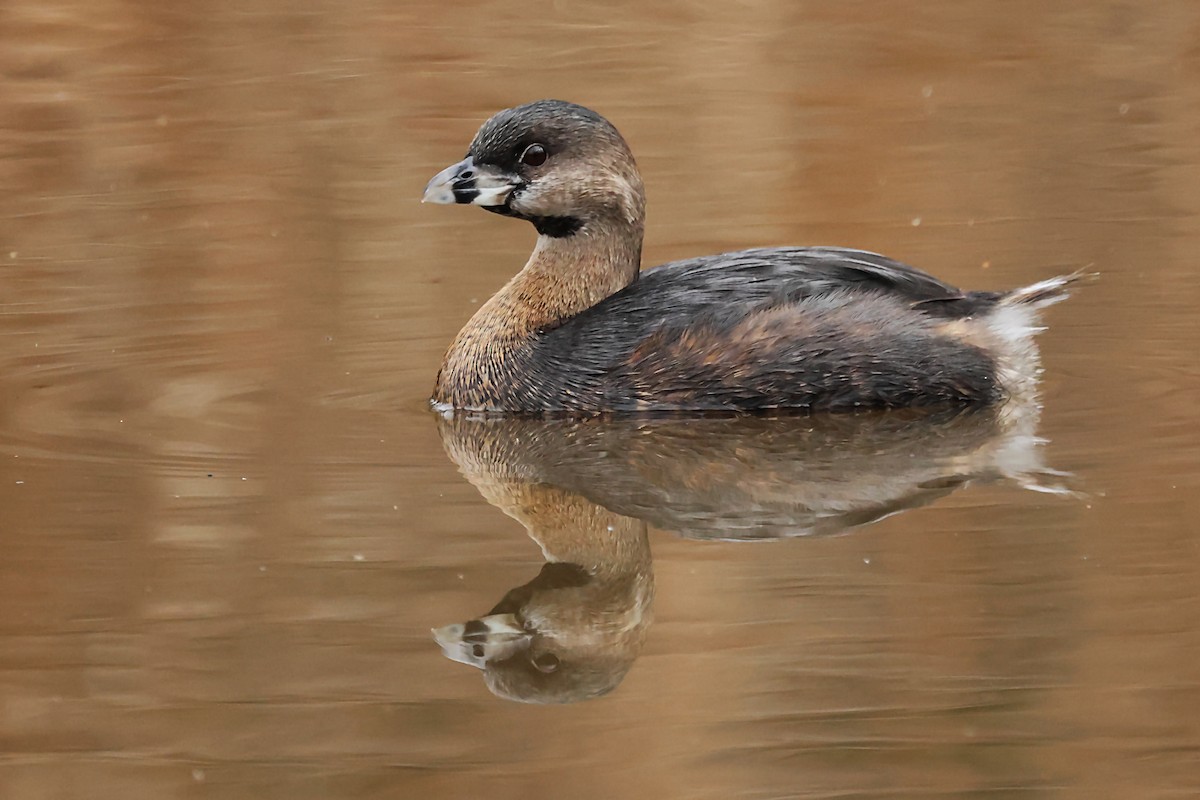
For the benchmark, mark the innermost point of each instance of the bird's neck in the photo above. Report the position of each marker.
(565, 276)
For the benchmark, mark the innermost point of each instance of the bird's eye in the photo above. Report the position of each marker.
(534, 156)
(545, 662)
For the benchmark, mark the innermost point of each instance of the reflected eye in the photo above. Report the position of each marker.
(545, 662)
(534, 155)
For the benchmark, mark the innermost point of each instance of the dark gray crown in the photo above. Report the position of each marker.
(558, 126)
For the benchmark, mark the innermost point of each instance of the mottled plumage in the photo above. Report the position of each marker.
(578, 330)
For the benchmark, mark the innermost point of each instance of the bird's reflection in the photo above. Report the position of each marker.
(586, 489)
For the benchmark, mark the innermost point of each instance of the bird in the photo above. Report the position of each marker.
(581, 329)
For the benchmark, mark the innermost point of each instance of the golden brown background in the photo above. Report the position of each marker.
(226, 519)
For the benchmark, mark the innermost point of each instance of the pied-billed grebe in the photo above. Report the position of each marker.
(578, 330)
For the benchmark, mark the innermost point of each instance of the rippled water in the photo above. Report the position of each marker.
(229, 522)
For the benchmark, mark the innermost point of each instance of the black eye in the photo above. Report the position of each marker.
(534, 155)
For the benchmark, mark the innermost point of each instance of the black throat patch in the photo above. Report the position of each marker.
(554, 227)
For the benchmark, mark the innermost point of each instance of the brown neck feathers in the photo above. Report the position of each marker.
(563, 277)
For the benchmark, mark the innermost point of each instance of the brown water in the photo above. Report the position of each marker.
(229, 522)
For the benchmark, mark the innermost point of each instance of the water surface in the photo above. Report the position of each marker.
(229, 521)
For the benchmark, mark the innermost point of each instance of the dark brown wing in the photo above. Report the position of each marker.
(810, 327)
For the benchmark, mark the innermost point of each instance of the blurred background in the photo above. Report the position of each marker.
(227, 519)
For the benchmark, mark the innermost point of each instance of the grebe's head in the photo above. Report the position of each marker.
(558, 165)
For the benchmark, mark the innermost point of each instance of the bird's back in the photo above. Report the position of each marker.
(817, 328)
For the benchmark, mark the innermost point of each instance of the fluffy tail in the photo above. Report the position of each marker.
(1047, 292)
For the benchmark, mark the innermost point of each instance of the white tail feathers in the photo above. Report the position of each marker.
(1047, 292)
(1009, 328)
